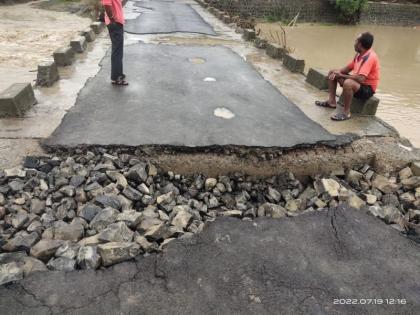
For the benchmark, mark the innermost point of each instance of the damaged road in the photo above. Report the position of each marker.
(287, 266)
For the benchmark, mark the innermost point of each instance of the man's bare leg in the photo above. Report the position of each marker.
(349, 88)
(332, 89)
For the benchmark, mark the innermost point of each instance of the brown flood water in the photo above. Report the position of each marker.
(327, 47)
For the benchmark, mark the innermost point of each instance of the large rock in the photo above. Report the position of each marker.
(68, 250)
(327, 185)
(182, 219)
(384, 184)
(137, 173)
(62, 264)
(118, 178)
(415, 168)
(116, 232)
(70, 232)
(21, 241)
(115, 252)
(132, 194)
(88, 257)
(10, 272)
(45, 249)
(104, 218)
(131, 217)
(89, 211)
(390, 214)
(109, 200)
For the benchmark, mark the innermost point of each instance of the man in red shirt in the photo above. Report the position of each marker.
(359, 78)
(114, 19)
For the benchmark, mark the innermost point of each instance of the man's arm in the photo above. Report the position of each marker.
(356, 77)
(109, 13)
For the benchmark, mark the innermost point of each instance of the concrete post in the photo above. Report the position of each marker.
(47, 73)
(318, 79)
(362, 107)
(16, 100)
(78, 44)
(293, 63)
(64, 56)
(274, 51)
(249, 35)
(260, 43)
(89, 34)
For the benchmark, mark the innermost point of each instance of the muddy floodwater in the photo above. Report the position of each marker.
(29, 36)
(327, 47)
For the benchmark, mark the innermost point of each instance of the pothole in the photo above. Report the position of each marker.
(197, 60)
(223, 112)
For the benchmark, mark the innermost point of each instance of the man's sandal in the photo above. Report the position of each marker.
(340, 117)
(324, 104)
(120, 82)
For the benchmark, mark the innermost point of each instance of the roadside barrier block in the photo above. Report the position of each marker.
(89, 34)
(16, 100)
(47, 74)
(64, 56)
(293, 63)
(318, 78)
(239, 30)
(227, 19)
(274, 51)
(78, 44)
(260, 43)
(249, 34)
(363, 107)
(97, 27)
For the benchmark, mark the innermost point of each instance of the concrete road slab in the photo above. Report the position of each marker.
(185, 96)
(310, 264)
(160, 17)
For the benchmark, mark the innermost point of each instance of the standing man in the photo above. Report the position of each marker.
(359, 78)
(114, 19)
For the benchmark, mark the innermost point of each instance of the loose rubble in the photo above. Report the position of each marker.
(89, 210)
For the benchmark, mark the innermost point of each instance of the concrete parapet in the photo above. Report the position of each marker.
(64, 56)
(363, 107)
(260, 43)
(78, 44)
(89, 34)
(97, 27)
(318, 78)
(16, 99)
(293, 63)
(47, 73)
(249, 34)
(274, 51)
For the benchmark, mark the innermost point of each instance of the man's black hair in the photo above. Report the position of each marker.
(366, 40)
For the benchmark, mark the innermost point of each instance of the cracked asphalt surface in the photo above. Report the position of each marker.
(288, 266)
(158, 108)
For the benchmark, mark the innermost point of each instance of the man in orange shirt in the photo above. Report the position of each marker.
(114, 19)
(359, 78)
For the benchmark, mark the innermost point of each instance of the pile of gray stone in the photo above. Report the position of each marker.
(89, 210)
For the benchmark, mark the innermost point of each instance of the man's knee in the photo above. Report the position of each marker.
(348, 84)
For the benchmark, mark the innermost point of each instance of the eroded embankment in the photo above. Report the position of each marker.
(92, 208)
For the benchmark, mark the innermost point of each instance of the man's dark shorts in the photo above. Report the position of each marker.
(365, 92)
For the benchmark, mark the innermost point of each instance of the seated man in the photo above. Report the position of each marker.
(359, 78)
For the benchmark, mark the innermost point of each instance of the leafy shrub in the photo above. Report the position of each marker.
(350, 9)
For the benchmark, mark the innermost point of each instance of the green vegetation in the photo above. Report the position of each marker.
(350, 9)
(276, 15)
